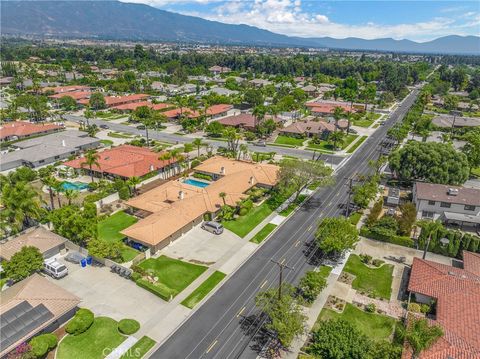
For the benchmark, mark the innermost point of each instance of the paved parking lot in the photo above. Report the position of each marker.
(108, 294)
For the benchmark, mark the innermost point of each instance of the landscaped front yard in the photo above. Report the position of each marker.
(109, 230)
(375, 281)
(375, 326)
(97, 342)
(172, 275)
(325, 145)
(242, 225)
(288, 140)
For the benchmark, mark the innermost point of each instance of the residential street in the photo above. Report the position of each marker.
(173, 138)
(215, 330)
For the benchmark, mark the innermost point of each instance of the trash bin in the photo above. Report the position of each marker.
(83, 262)
(89, 260)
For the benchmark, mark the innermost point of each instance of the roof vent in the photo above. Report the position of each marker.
(222, 170)
(181, 195)
(453, 192)
(451, 273)
(152, 168)
(251, 180)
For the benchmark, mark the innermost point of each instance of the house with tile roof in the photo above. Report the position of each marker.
(456, 292)
(22, 129)
(172, 209)
(124, 162)
(308, 128)
(30, 307)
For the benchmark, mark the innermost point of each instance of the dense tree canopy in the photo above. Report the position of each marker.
(336, 235)
(430, 162)
(23, 263)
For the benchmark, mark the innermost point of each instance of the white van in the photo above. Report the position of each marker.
(55, 269)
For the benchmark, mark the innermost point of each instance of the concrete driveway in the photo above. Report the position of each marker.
(108, 294)
(202, 247)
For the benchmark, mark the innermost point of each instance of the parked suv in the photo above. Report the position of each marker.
(212, 227)
(55, 269)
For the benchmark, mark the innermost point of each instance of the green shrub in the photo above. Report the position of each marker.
(424, 308)
(128, 326)
(92, 186)
(194, 163)
(374, 213)
(42, 344)
(370, 308)
(124, 193)
(377, 262)
(82, 320)
(242, 211)
(135, 276)
(202, 176)
(365, 258)
(414, 307)
(401, 241)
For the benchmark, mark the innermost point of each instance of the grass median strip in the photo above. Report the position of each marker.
(139, 349)
(357, 144)
(201, 292)
(263, 233)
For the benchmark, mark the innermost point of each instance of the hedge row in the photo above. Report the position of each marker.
(400, 240)
(163, 292)
(82, 320)
(457, 242)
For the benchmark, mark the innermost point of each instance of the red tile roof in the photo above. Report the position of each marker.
(312, 127)
(217, 109)
(185, 111)
(119, 100)
(63, 89)
(76, 95)
(22, 129)
(125, 161)
(457, 292)
(134, 105)
(243, 120)
(328, 108)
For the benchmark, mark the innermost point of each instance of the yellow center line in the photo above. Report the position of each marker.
(309, 229)
(240, 312)
(283, 261)
(297, 243)
(211, 346)
(263, 284)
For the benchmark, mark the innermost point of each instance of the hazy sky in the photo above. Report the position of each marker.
(415, 20)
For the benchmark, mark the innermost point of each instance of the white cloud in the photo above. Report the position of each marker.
(287, 17)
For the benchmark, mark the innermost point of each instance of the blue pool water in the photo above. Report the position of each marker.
(196, 183)
(76, 186)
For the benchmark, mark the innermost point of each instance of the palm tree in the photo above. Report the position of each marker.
(166, 156)
(91, 159)
(88, 114)
(222, 195)
(21, 205)
(422, 336)
(336, 137)
(198, 143)
(133, 182)
(70, 194)
(58, 189)
(50, 183)
(259, 114)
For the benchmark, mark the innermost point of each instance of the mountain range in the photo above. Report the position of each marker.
(138, 22)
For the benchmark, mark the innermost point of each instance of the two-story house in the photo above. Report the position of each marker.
(450, 204)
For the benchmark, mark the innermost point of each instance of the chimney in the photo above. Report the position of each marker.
(181, 195)
(151, 168)
(251, 180)
(222, 170)
(63, 143)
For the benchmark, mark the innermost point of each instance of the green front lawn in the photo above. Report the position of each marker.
(109, 230)
(325, 271)
(288, 140)
(357, 144)
(106, 142)
(139, 349)
(328, 146)
(241, 226)
(355, 218)
(263, 233)
(198, 294)
(475, 172)
(376, 281)
(118, 135)
(173, 274)
(375, 326)
(97, 342)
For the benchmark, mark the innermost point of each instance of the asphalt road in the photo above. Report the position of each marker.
(221, 327)
(173, 138)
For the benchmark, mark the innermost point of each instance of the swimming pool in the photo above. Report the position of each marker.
(76, 186)
(196, 183)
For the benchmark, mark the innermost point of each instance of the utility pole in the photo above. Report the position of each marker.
(350, 185)
(426, 246)
(281, 266)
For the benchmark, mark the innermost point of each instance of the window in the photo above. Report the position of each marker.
(445, 204)
(427, 214)
(469, 207)
(431, 203)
